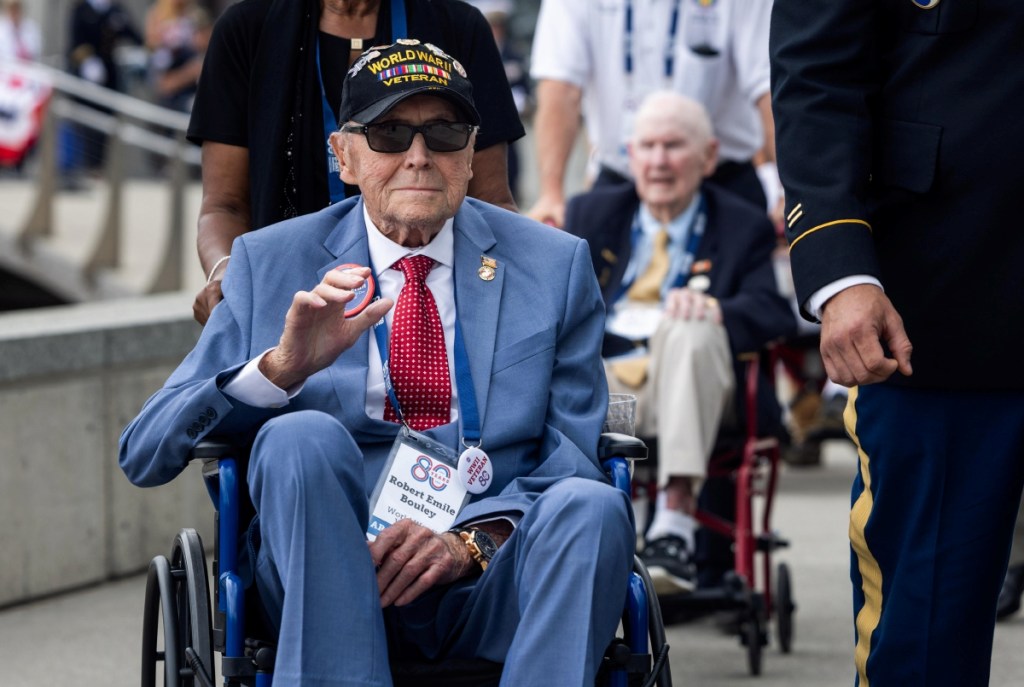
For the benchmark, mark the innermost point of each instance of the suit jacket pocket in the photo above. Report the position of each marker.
(522, 349)
(906, 155)
(946, 17)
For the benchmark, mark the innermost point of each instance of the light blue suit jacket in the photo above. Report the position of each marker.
(533, 336)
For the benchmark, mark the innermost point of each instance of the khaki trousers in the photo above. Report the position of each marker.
(686, 395)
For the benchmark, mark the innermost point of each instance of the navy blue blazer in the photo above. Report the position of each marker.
(900, 143)
(736, 251)
(533, 335)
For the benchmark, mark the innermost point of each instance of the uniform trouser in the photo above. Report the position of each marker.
(934, 503)
(1017, 550)
(548, 605)
(686, 395)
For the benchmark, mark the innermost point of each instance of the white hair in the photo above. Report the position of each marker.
(688, 113)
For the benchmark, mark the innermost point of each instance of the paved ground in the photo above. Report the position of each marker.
(92, 637)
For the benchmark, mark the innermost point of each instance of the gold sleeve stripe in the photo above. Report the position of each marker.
(799, 206)
(794, 218)
(826, 224)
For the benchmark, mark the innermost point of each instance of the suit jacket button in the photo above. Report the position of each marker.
(196, 427)
(211, 413)
(191, 433)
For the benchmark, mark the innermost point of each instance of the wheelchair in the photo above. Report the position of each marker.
(177, 602)
(746, 468)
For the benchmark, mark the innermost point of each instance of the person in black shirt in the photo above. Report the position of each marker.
(273, 74)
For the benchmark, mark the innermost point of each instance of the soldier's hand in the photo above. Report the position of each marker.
(854, 323)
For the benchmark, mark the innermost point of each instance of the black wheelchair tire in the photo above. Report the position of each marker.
(192, 597)
(159, 602)
(784, 607)
(177, 594)
(661, 674)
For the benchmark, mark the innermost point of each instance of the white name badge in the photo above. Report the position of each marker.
(420, 482)
(634, 321)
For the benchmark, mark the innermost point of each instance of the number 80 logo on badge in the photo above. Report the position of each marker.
(437, 475)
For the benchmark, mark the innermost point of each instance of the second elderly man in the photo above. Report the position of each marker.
(687, 277)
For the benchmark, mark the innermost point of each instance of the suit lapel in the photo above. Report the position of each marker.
(478, 301)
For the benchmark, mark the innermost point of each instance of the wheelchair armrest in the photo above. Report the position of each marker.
(212, 449)
(612, 445)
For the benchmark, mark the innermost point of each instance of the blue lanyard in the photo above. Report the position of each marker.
(696, 230)
(468, 409)
(673, 29)
(334, 183)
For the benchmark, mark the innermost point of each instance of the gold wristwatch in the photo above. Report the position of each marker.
(481, 547)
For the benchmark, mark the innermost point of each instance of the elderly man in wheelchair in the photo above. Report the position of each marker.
(686, 272)
(425, 476)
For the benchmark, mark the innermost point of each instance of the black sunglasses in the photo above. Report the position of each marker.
(392, 137)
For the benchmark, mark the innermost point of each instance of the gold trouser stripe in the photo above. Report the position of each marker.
(871, 575)
(826, 224)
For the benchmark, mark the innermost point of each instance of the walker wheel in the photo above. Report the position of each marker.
(784, 607)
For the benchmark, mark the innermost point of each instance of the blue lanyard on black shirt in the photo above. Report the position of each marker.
(334, 183)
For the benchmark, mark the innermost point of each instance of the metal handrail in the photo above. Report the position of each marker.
(128, 121)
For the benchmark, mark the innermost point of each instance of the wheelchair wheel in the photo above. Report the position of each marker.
(784, 607)
(177, 593)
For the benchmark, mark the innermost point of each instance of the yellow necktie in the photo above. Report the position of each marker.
(645, 289)
(647, 286)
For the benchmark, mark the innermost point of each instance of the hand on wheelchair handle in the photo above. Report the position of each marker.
(410, 559)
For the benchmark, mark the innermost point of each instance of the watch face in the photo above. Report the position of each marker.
(486, 545)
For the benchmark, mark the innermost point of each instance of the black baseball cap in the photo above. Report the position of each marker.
(384, 76)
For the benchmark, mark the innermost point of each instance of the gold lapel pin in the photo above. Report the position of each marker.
(488, 266)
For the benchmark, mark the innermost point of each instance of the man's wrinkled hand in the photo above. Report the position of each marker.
(687, 304)
(209, 296)
(411, 559)
(316, 330)
(854, 323)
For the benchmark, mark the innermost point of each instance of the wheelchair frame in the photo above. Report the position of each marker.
(743, 589)
(177, 593)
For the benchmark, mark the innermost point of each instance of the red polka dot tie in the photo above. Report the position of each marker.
(419, 363)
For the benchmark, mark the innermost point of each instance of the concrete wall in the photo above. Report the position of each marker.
(71, 378)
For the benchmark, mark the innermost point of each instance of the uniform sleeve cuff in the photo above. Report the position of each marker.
(816, 303)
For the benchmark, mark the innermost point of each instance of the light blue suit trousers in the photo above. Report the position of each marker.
(547, 606)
